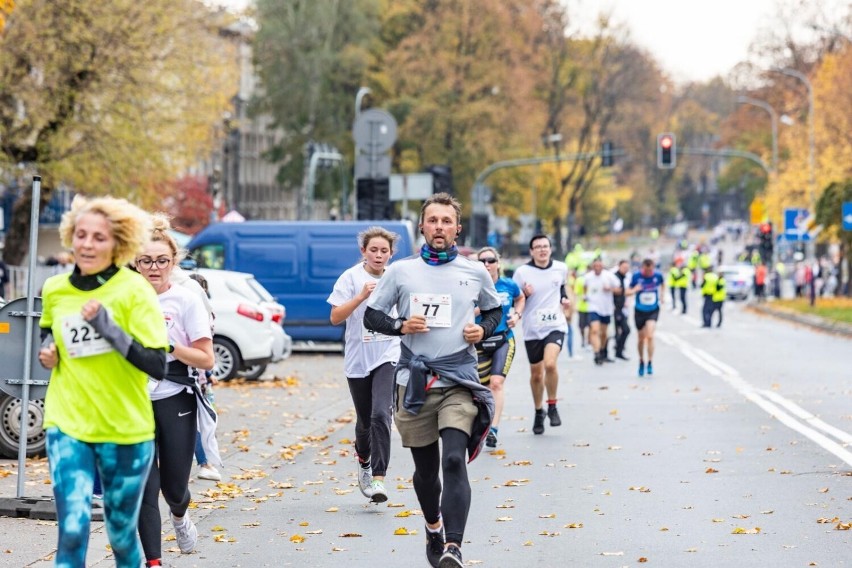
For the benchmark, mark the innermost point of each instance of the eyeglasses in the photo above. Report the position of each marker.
(491, 260)
(147, 263)
(541, 247)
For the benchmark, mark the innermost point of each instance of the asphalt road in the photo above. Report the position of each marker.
(737, 452)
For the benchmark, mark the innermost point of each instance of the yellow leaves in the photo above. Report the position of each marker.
(548, 516)
(403, 514)
(5, 473)
(741, 530)
(516, 482)
(345, 441)
(504, 519)
(223, 538)
(711, 470)
(574, 526)
(401, 531)
(350, 535)
(838, 524)
(218, 528)
(248, 474)
(497, 452)
(843, 526)
(550, 534)
(522, 462)
(297, 538)
(332, 510)
(639, 488)
(281, 485)
(318, 531)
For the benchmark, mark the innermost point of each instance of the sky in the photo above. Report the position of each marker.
(693, 40)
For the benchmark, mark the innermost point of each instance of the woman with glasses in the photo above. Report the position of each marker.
(495, 353)
(370, 360)
(101, 337)
(174, 399)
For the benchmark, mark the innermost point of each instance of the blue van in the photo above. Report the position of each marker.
(297, 261)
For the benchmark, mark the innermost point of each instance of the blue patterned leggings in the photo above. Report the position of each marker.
(123, 470)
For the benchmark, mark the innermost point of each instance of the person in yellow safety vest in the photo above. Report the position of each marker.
(678, 282)
(574, 258)
(710, 288)
(692, 265)
(719, 297)
(755, 257)
(582, 305)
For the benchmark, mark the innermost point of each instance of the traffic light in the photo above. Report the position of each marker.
(766, 244)
(606, 154)
(373, 199)
(666, 151)
(442, 178)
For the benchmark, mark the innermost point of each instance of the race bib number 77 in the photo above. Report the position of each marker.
(436, 308)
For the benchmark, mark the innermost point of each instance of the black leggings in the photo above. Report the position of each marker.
(454, 503)
(174, 448)
(373, 399)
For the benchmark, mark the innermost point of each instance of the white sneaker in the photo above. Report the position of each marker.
(365, 481)
(208, 472)
(379, 495)
(186, 533)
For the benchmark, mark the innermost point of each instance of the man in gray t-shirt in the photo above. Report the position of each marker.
(440, 404)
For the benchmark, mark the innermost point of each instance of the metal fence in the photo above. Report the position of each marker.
(18, 278)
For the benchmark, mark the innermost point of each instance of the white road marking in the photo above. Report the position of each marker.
(797, 419)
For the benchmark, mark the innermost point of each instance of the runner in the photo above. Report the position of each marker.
(600, 285)
(369, 360)
(649, 287)
(441, 408)
(176, 399)
(619, 298)
(102, 332)
(495, 353)
(543, 281)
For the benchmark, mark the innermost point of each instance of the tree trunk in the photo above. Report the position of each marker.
(18, 235)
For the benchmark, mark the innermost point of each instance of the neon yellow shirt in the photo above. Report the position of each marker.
(102, 397)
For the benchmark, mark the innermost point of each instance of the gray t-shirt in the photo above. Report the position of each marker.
(447, 294)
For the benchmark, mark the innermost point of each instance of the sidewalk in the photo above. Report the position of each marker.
(812, 321)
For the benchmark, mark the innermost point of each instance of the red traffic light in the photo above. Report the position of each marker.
(666, 142)
(666, 153)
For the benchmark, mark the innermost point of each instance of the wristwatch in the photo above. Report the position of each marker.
(171, 347)
(397, 325)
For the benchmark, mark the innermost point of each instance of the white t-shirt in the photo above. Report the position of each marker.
(365, 350)
(543, 308)
(186, 321)
(600, 300)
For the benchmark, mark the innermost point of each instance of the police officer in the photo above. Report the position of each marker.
(679, 277)
(709, 290)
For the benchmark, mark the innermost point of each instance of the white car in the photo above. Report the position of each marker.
(739, 279)
(243, 329)
(282, 344)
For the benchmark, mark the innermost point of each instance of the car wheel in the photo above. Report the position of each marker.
(227, 359)
(254, 372)
(10, 426)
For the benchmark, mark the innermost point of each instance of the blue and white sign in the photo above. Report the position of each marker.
(795, 224)
(846, 215)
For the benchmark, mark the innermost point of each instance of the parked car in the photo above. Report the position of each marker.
(243, 330)
(739, 280)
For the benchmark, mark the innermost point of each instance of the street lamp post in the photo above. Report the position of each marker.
(774, 117)
(812, 132)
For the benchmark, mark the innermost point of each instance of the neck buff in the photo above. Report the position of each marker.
(434, 257)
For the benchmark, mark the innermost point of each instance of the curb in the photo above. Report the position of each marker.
(814, 322)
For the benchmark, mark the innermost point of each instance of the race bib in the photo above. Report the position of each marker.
(648, 298)
(547, 318)
(436, 308)
(370, 336)
(81, 339)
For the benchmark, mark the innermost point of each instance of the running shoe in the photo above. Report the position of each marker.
(377, 490)
(451, 558)
(186, 533)
(553, 414)
(491, 439)
(209, 473)
(650, 368)
(538, 422)
(434, 547)
(365, 481)
(641, 369)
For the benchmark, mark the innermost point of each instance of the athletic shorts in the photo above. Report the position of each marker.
(535, 347)
(595, 316)
(497, 363)
(582, 319)
(445, 407)
(641, 317)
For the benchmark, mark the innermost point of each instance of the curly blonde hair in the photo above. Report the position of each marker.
(130, 226)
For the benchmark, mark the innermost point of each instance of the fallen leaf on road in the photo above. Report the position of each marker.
(332, 510)
(711, 470)
(350, 535)
(396, 504)
(319, 531)
(403, 514)
(741, 516)
(504, 519)
(767, 512)
(549, 516)
(823, 490)
(401, 531)
(297, 538)
(614, 448)
(612, 553)
(339, 491)
(718, 520)
(528, 543)
(741, 530)
(281, 485)
(223, 538)
(642, 559)
(545, 533)
(346, 441)
(640, 489)
(218, 528)
(319, 482)
(516, 482)
(522, 462)
(252, 524)
(574, 526)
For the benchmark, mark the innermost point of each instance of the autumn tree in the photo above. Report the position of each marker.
(109, 97)
(312, 56)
